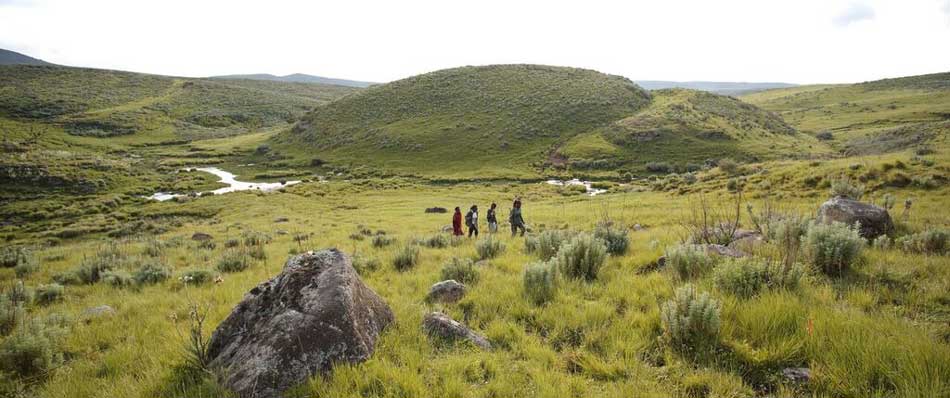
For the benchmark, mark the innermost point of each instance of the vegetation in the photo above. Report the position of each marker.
(460, 270)
(582, 257)
(690, 319)
(834, 247)
(489, 248)
(540, 282)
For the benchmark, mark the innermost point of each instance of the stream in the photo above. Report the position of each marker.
(225, 178)
(587, 184)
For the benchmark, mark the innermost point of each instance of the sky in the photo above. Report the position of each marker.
(795, 41)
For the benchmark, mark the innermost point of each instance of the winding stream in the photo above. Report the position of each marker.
(226, 178)
(587, 184)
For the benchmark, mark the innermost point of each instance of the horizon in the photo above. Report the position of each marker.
(810, 42)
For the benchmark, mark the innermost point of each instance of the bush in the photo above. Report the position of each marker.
(540, 282)
(11, 256)
(659, 167)
(91, 269)
(825, 136)
(33, 349)
(154, 248)
(117, 279)
(690, 319)
(407, 257)
(256, 252)
(489, 248)
(231, 243)
(844, 187)
(364, 265)
(19, 293)
(582, 257)
(233, 261)
(833, 248)
(48, 294)
(728, 165)
(927, 242)
(438, 241)
(11, 314)
(747, 277)
(67, 278)
(616, 239)
(689, 261)
(27, 263)
(380, 241)
(461, 270)
(198, 276)
(150, 274)
(547, 244)
(255, 238)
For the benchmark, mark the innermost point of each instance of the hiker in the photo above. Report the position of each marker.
(492, 219)
(457, 222)
(517, 221)
(471, 221)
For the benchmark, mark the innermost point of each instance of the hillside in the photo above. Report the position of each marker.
(525, 121)
(867, 118)
(8, 57)
(723, 88)
(296, 78)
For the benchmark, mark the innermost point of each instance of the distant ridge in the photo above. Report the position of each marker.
(8, 57)
(297, 78)
(724, 88)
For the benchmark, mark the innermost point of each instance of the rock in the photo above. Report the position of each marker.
(438, 210)
(722, 251)
(447, 228)
(281, 232)
(315, 313)
(638, 227)
(874, 220)
(439, 325)
(98, 311)
(747, 241)
(281, 219)
(652, 266)
(448, 291)
(797, 375)
(201, 236)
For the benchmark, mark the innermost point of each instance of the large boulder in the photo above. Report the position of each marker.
(874, 220)
(313, 314)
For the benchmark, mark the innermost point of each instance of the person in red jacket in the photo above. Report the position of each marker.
(457, 222)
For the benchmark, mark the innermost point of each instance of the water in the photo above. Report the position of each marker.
(587, 184)
(226, 178)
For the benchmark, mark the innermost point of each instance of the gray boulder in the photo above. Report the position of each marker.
(201, 237)
(313, 314)
(440, 326)
(98, 311)
(448, 291)
(797, 375)
(874, 220)
(722, 251)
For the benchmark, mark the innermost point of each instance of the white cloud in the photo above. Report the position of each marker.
(946, 10)
(383, 40)
(856, 12)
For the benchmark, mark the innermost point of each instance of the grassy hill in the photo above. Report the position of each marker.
(867, 118)
(296, 78)
(8, 57)
(724, 88)
(525, 121)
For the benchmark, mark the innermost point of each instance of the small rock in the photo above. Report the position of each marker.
(437, 210)
(447, 228)
(448, 291)
(638, 227)
(746, 242)
(439, 325)
(98, 311)
(797, 375)
(201, 236)
(281, 219)
(722, 251)
(282, 232)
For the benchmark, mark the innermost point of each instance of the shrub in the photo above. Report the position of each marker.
(154, 248)
(582, 257)
(727, 165)
(91, 269)
(33, 349)
(256, 252)
(461, 270)
(437, 241)
(150, 274)
(689, 261)
(364, 265)
(70, 277)
(927, 242)
(844, 187)
(11, 256)
(11, 314)
(357, 236)
(117, 278)
(232, 242)
(26, 264)
(659, 167)
(233, 261)
(406, 258)
(747, 277)
(825, 136)
(547, 244)
(19, 293)
(255, 238)
(690, 319)
(489, 248)
(616, 239)
(382, 241)
(48, 294)
(540, 282)
(207, 245)
(198, 276)
(833, 248)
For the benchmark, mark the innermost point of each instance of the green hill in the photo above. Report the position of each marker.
(524, 120)
(8, 57)
(871, 117)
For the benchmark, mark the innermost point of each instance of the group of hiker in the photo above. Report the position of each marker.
(471, 220)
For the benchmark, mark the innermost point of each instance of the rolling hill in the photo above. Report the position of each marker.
(8, 57)
(525, 120)
(724, 88)
(868, 118)
(296, 78)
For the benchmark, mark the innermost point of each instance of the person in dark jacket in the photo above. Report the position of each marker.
(492, 219)
(471, 220)
(457, 222)
(516, 219)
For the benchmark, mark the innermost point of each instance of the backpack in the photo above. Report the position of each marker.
(468, 219)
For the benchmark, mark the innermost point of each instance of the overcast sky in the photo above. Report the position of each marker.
(797, 41)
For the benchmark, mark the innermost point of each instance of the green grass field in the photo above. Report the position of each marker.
(75, 202)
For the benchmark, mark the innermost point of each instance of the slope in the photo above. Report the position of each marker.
(724, 88)
(8, 57)
(296, 78)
